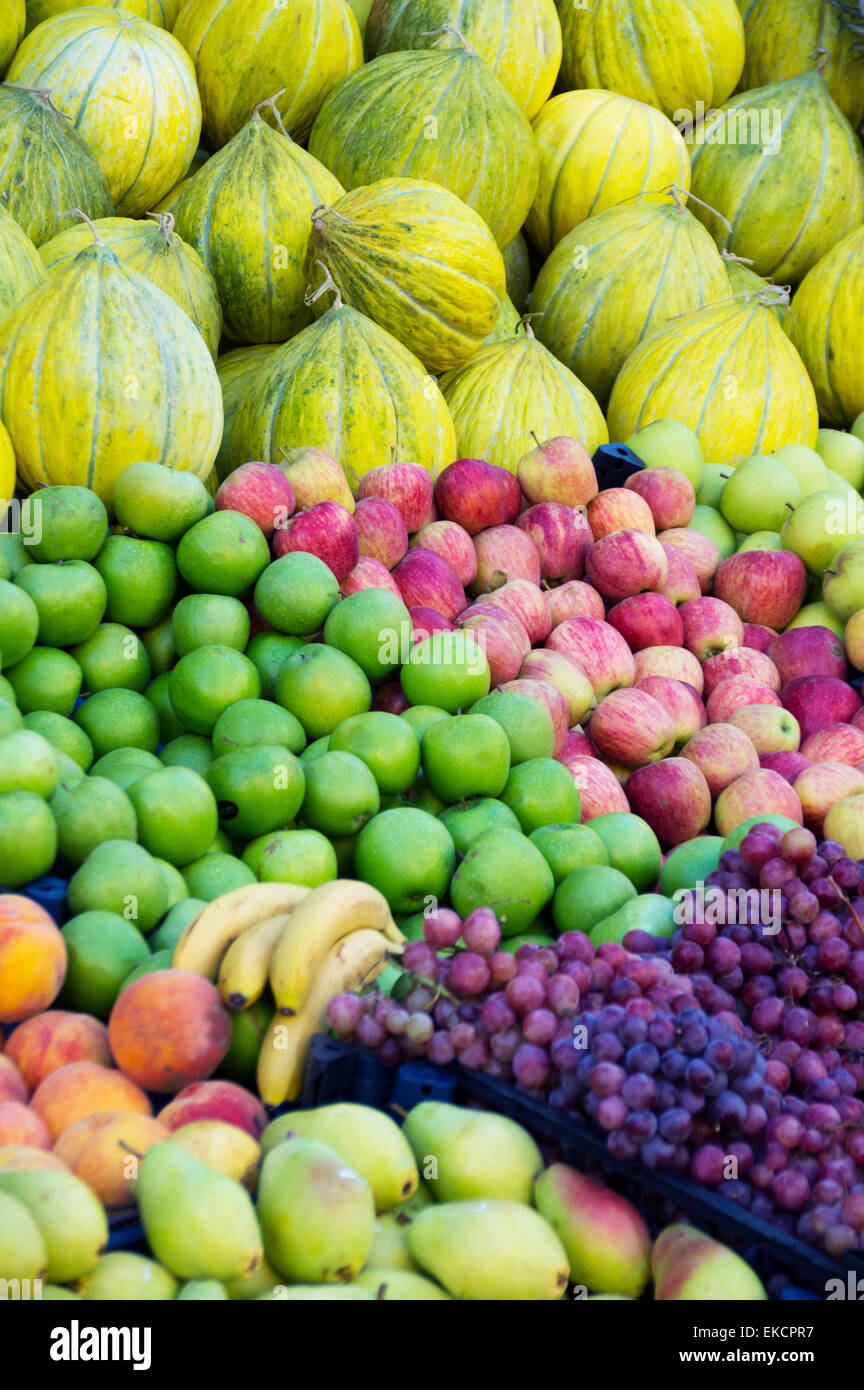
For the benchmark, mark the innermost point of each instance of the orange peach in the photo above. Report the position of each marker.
(105, 1150)
(32, 958)
(18, 1158)
(168, 1029)
(51, 1040)
(85, 1088)
(12, 1083)
(21, 1125)
(216, 1100)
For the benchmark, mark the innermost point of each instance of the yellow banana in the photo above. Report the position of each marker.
(349, 963)
(245, 966)
(208, 936)
(329, 913)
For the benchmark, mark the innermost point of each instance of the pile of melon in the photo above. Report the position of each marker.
(420, 229)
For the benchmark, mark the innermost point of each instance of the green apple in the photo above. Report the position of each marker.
(569, 847)
(341, 794)
(526, 723)
(322, 686)
(421, 716)
(632, 846)
(471, 819)
(844, 454)
(760, 495)
(205, 620)
(468, 755)
(714, 478)
(373, 627)
(668, 443)
(448, 670)
(258, 788)
(504, 869)
(843, 581)
(710, 523)
(385, 743)
(588, 895)
(296, 593)
(408, 855)
(70, 521)
(158, 502)
(822, 525)
(70, 598)
(690, 863)
(541, 792)
(761, 540)
(805, 465)
(816, 615)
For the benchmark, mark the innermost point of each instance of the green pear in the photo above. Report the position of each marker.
(607, 1242)
(482, 1251)
(472, 1153)
(22, 1249)
(760, 495)
(710, 523)
(761, 540)
(838, 483)
(690, 1267)
(843, 581)
(316, 1213)
(253, 1285)
(203, 1290)
(123, 1277)
(844, 454)
(822, 525)
(668, 443)
(199, 1223)
(390, 1244)
(714, 478)
(70, 1216)
(318, 1293)
(805, 465)
(858, 426)
(368, 1141)
(56, 1293)
(400, 1286)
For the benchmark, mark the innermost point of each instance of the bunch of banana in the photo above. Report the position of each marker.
(239, 932)
(337, 939)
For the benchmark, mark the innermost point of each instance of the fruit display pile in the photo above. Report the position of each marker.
(432, 612)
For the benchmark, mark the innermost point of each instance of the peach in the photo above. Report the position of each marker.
(20, 1158)
(104, 1151)
(50, 1040)
(755, 794)
(85, 1088)
(821, 786)
(12, 1083)
(32, 958)
(170, 1028)
(216, 1100)
(738, 692)
(21, 1125)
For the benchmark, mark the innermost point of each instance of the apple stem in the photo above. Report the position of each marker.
(536, 440)
(271, 103)
(77, 212)
(329, 284)
(445, 31)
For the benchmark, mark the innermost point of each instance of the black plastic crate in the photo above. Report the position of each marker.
(614, 464)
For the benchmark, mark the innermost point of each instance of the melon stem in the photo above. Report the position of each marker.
(823, 54)
(271, 103)
(77, 212)
(445, 31)
(329, 284)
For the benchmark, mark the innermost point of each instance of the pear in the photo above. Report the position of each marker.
(472, 1153)
(691, 1267)
(499, 1251)
(55, 1293)
(607, 1242)
(400, 1286)
(390, 1245)
(203, 1290)
(417, 1201)
(123, 1277)
(259, 1282)
(69, 1215)
(198, 1223)
(312, 1293)
(22, 1249)
(316, 1213)
(368, 1141)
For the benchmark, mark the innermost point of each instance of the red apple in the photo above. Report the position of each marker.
(427, 581)
(381, 529)
(788, 763)
(425, 621)
(431, 516)
(601, 652)
(647, 620)
(504, 553)
(823, 784)
(858, 720)
(503, 651)
(755, 794)
(574, 600)
(452, 542)
(682, 581)
(769, 729)
(315, 477)
(668, 492)
(577, 744)
(561, 537)
(529, 604)
(710, 626)
(619, 509)
(680, 701)
(736, 693)
(673, 797)
(758, 637)
(808, 651)
(560, 470)
(326, 530)
(698, 549)
(626, 563)
(836, 743)
(551, 699)
(817, 701)
(763, 586)
(390, 697)
(740, 661)
(477, 495)
(503, 617)
(600, 792)
(369, 574)
(407, 485)
(631, 728)
(674, 662)
(260, 491)
(722, 753)
(565, 673)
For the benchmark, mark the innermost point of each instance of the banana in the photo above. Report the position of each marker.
(245, 966)
(329, 913)
(208, 936)
(349, 963)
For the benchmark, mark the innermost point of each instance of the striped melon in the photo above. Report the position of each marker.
(418, 261)
(7, 470)
(45, 167)
(154, 249)
(245, 50)
(346, 386)
(236, 371)
(99, 368)
(361, 10)
(744, 280)
(781, 37)
(596, 150)
(248, 213)
(506, 325)
(617, 277)
(439, 115)
(678, 56)
(512, 390)
(729, 372)
(519, 39)
(825, 326)
(517, 268)
(128, 88)
(160, 12)
(20, 267)
(12, 20)
(761, 179)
